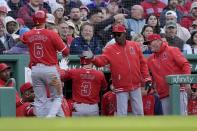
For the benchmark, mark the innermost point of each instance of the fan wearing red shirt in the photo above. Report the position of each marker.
(43, 45)
(86, 86)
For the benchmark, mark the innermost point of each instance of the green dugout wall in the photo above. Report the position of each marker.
(19, 62)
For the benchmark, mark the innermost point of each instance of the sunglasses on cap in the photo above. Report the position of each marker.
(117, 34)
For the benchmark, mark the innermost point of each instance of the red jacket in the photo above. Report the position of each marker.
(168, 61)
(108, 104)
(152, 8)
(127, 64)
(186, 21)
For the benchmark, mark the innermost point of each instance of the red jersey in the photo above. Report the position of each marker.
(108, 104)
(192, 107)
(43, 45)
(86, 84)
(148, 104)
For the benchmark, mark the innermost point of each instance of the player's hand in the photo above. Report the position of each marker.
(88, 54)
(148, 86)
(63, 64)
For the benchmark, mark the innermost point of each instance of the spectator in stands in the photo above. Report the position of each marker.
(181, 7)
(85, 2)
(58, 13)
(127, 4)
(71, 29)
(14, 6)
(86, 41)
(50, 21)
(146, 31)
(6, 40)
(63, 29)
(167, 60)
(172, 6)
(3, 11)
(112, 8)
(96, 4)
(187, 20)
(45, 5)
(154, 22)
(193, 27)
(137, 21)
(152, 7)
(75, 18)
(84, 12)
(101, 25)
(69, 4)
(193, 42)
(188, 4)
(140, 39)
(182, 32)
(27, 11)
(19, 48)
(12, 26)
(174, 40)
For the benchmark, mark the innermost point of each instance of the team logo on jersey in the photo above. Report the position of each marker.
(164, 56)
(132, 50)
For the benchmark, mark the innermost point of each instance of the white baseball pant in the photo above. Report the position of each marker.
(135, 99)
(183, 104)
(83, 109)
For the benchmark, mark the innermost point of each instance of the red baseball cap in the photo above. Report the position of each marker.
(3, 9)
(118, 28)
(153, 37)
(25, 87)
(3, 67)
(85, 61)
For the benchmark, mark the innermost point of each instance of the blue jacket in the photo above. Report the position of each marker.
(9, 41)
(134, 25)
(79, 45)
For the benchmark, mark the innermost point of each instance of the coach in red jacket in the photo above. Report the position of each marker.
(167, 60)
(128, 70)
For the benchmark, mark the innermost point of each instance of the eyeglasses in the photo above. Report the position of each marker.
(117, 34)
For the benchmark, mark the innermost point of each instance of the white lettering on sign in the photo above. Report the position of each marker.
(195, 68)
(185, 79)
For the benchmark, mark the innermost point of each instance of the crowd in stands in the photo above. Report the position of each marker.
(175, 20)
(87, 24)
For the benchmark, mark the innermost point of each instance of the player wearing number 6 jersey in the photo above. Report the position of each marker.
(86, 87)
(43, 45)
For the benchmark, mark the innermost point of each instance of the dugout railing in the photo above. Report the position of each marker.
(174, 82)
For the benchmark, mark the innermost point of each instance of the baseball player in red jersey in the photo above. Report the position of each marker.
(43, 45)
(128, 67)
(86, 86)
(27, 94)
(167, 60)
